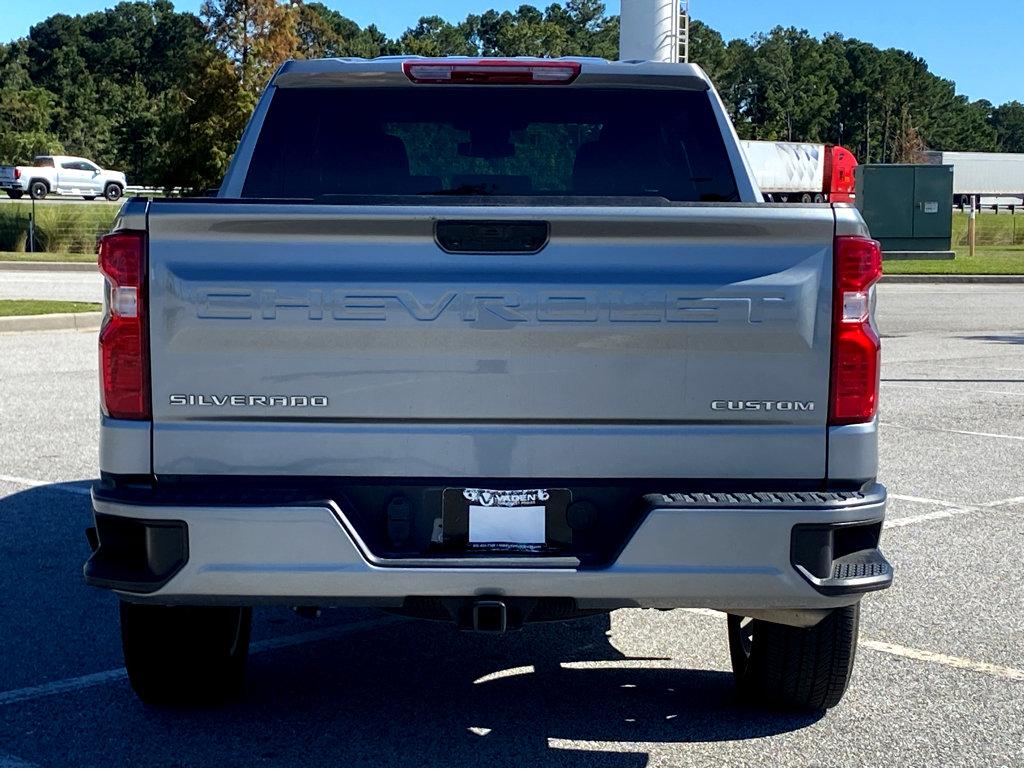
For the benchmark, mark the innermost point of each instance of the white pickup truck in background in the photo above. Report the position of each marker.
(61, 175)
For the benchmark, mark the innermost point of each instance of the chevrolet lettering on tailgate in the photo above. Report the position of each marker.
(557, 306)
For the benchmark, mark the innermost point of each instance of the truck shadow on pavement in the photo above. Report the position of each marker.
(402, 692)
(528, 699)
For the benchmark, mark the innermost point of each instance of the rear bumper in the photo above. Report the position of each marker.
(683, 554)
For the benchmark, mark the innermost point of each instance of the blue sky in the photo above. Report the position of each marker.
(976, 45)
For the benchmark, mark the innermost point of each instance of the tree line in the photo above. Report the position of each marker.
(164, 95)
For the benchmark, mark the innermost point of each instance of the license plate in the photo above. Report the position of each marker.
(506, 519)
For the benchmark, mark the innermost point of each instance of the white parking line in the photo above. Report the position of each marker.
(974, 390)
(950, 509)
(945, 365)
(924, 500)
(109, 676)
(957, 432)
(60, 687)
(33, 483)
(920, 655)
(1001, 502)
(935, 515)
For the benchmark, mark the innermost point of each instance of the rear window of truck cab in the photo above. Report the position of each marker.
(316, 143)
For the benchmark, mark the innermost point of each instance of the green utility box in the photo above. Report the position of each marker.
(908, 208)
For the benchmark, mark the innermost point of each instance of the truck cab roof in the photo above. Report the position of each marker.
(393, 70)
(64, 159)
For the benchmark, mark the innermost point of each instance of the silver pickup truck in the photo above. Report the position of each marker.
(491, 342)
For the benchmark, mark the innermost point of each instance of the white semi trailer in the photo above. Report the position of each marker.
(984, 177)
(802, 172)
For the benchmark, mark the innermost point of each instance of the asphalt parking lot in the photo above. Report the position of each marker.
(939, 677)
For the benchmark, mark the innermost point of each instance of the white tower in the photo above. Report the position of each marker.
(657, 30)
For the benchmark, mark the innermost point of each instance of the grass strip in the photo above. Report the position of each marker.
(988, 260)
(45, 256)
(10, 307)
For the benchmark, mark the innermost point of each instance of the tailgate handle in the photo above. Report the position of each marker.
(496, 237)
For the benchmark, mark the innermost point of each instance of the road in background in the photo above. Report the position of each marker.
(38, 284)
(939, 677)
(51, 199)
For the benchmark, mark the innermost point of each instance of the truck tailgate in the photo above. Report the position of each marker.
(686, 341)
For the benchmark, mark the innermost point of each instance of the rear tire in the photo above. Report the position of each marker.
(88, 197)
(185, 654)
(793, 667)
(38, 190)
(14, 194)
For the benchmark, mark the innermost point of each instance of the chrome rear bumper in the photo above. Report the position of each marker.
(721, 557)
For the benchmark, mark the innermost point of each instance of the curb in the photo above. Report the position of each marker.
(49, 266)
(58, 321)
(952, 279)
(896, 255)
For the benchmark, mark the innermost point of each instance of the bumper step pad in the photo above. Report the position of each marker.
(786, 499)
(858, 572)
(878, 568)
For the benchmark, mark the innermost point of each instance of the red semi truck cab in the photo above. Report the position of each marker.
(839, 173)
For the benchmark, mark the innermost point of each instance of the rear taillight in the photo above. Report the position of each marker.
(491, 71)
(855, 345)
(124, 344)
(17, 173)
